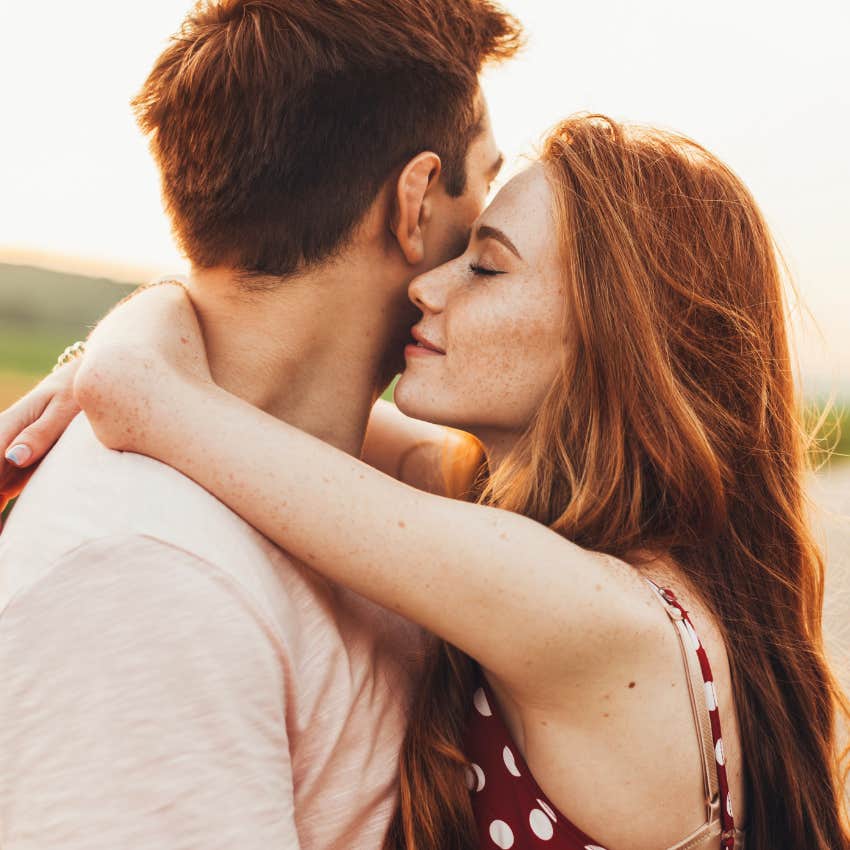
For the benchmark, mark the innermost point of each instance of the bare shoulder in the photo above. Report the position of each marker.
(627, 634)
(604, 624)
(627, 711)
(641, 616)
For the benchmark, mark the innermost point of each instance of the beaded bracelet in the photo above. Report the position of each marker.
(72, 352)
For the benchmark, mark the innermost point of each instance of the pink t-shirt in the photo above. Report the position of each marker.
(170, 680)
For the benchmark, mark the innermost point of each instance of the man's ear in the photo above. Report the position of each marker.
(412, 206)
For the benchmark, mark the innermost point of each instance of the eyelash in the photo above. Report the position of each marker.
(483, 271)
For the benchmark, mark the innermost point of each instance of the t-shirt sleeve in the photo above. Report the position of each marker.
(142, 707)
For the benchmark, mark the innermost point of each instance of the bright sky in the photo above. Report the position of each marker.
(763, 83)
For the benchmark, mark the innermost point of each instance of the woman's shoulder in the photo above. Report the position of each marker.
(634, 637)
(606, 629)
(631, 592)
(629, 711)
(638, 583)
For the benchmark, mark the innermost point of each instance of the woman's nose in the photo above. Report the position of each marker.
(426, 293)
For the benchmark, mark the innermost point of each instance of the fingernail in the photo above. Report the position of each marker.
(19, 454)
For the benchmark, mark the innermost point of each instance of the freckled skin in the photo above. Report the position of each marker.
(502, 334)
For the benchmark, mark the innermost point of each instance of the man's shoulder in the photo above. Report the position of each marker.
(110, 578)
(113, 492)
(86, 496)
(171, 596)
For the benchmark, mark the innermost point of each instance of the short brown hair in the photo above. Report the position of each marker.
(276, 122)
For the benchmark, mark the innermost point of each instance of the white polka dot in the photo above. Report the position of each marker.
(510, 762)
(540, 824)
(501, 834)
(480, 700)
(729, 804)
(693, 634)
(710, 696)
(546, 808)
(593, 847)
(475, 779)
(718, 752)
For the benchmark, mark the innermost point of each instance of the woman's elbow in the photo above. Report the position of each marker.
(103, 388)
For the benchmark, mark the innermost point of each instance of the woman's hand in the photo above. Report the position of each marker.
(140, 358)
(30, 427)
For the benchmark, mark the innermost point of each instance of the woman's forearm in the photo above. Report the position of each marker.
(428, 457)
(471, 574)
(332, 511)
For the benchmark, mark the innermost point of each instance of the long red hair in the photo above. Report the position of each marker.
(675, 427)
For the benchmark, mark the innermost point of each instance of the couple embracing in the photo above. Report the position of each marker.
(563, 595)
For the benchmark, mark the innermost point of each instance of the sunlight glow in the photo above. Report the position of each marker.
(763, 84)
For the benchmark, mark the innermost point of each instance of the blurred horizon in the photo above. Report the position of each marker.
(818, 381)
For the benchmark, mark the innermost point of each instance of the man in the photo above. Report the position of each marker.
(169, 678)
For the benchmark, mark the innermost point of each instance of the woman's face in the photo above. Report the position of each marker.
(495, 314)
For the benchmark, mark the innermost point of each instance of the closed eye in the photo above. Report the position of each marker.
(483, 270)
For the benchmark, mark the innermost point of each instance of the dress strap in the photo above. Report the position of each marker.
(707, 721)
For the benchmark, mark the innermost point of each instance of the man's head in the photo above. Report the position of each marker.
(276, 124)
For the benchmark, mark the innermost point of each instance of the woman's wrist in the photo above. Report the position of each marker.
(143, 363)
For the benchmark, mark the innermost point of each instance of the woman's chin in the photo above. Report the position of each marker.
(412, 400)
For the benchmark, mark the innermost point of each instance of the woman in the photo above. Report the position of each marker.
(614, 336)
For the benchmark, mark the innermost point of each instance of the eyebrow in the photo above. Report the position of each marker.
(487, 232)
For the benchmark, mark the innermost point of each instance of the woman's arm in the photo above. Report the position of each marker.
(30, 427)
(526, 603)
(429, 457)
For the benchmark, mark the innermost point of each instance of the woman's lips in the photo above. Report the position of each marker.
(421, 351)
(424, 343)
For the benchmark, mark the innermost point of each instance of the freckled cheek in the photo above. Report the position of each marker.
(502, 363)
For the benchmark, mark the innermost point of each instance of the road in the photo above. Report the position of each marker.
(831, 493)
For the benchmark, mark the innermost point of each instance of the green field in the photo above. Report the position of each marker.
(41, 312)
(833, 441)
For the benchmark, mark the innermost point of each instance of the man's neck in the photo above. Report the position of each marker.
(310, 351)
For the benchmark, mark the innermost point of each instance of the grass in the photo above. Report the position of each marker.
(42, 313)
(32, 350)
(832, 445)
(388, 393)
(13, 385)
(37, 298)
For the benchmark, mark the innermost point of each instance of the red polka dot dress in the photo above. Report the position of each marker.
(513, 813)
